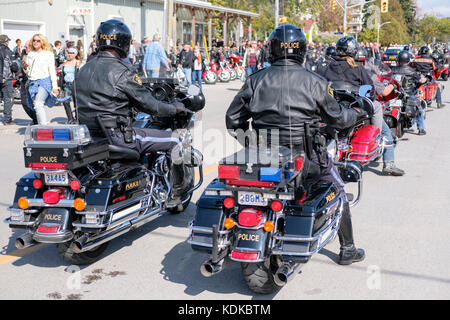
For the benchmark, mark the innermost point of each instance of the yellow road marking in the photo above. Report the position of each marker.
(6, 258)
(207, 170)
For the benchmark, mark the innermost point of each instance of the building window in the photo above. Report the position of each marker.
(187, 32)
(199, 33)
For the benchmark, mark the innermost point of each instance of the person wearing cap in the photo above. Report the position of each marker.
(69, 68)
(8, 66)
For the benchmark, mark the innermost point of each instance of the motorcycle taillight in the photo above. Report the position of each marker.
(250, 217)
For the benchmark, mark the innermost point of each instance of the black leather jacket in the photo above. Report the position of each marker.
(411, 78)
(284, 96)
(108, 86)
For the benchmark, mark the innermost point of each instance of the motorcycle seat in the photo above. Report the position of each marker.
(122, 153)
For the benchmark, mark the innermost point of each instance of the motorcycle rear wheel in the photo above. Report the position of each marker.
(259, 276)
(83, 258)
(444, 76)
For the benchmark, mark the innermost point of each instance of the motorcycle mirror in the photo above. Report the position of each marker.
(193, 90)
(364, 91)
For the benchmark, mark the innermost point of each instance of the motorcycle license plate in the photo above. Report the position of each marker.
(251, 199)
(56, 179)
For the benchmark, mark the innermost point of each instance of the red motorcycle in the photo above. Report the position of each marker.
(441, 73)
(235, 63)
(363, 142)
(392, 107)
(208, 75)
(428, 90)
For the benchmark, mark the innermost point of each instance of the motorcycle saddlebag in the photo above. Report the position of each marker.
(431, 90)
(365, 144)
(310, 226)
(209, 212)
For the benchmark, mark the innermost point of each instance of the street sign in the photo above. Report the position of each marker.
(282, 19)
(80, 11)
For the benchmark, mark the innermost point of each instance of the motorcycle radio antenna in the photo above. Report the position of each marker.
(287, 84)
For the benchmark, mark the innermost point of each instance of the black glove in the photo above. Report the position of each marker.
(367, 107)
(181, 109)
(361, 114)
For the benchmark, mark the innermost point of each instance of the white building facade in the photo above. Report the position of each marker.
(78, 19)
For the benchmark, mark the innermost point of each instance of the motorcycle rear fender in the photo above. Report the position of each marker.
(54, 217)
(249, 240)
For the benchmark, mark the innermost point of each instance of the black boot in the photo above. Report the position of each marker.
(348, 253)
(69, 114)
(180, 181)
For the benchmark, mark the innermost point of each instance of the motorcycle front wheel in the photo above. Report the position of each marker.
(224, 76)
(211, 77)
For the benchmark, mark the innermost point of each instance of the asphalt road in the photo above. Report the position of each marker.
(403, 224)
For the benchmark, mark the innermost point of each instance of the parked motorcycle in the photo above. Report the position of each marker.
(209, 76)
(265, 212)
(236, 64)
(83, 192)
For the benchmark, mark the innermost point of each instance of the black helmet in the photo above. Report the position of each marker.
(330, 51)
(403, 57)
(287, 42)
(347, 46)
(424, 50)
(361, 54)
(114, 34)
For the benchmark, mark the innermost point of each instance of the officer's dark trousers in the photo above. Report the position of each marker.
(146, 141)
(7, 90)
(328, 173)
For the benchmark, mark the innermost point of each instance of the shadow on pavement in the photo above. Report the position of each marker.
(48, 257)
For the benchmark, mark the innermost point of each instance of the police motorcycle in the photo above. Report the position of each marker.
(267, 211)
(83, 192)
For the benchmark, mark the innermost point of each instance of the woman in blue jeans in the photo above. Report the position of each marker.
(197, 68)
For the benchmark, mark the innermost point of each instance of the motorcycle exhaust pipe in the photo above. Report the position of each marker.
(24, 241)
(77, 245)
(82, 245)
(285, 273)
(208, 269)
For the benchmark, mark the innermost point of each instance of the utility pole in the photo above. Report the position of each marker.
(277, 10)
(378, 30)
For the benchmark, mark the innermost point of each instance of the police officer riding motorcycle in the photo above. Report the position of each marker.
(309, 100)
(107, 88)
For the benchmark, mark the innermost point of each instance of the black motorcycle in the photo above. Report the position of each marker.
(83, 192)
(268, 211)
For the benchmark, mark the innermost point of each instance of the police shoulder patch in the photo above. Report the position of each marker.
(137, 80)
(330, 91)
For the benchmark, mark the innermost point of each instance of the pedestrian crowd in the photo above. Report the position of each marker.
(42, 73)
